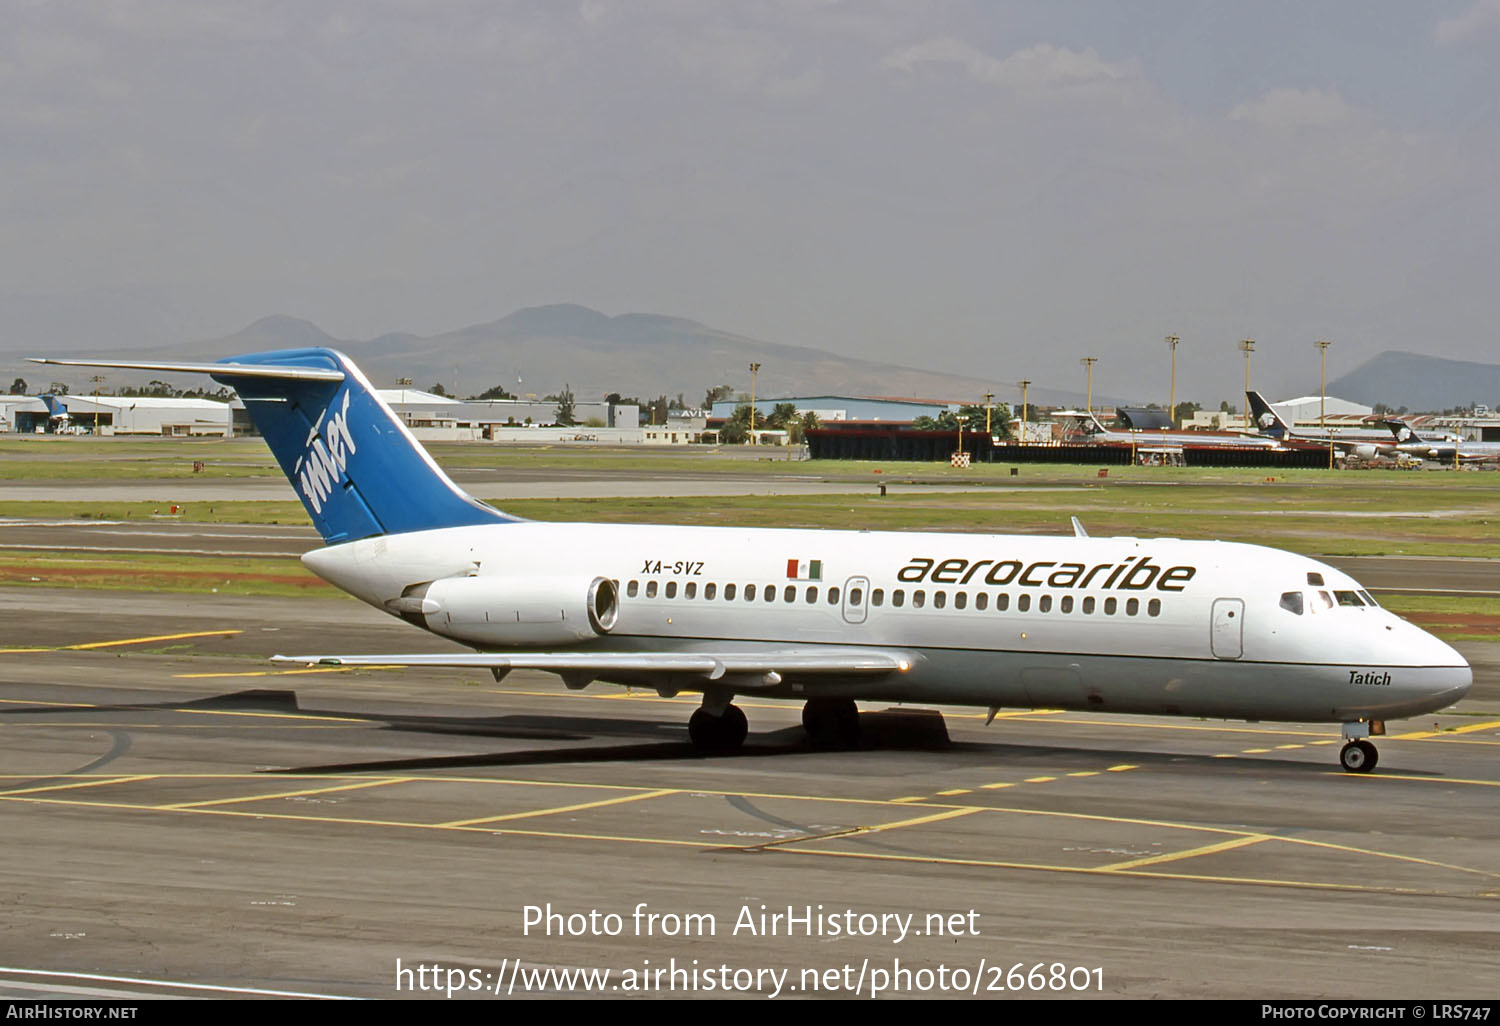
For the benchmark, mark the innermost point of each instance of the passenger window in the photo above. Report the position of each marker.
(789, 593)
(898, 597)
(651, 589)
(939, 599)
(671, 589)
(1044, 604)
(918, 599)
(633, 588)
(1348, 598)
(856, 596)
(729, 592)
(1067, 604)
(812, 595)
(691, 591)
(877, 597)
(710, 590)
(833, 597)
(982, 600)
(1023, 602)
(1132, 606)
(1291, 601)
(749, 593)
(1002, 602)
(960, 600)
(1153, 608)
(769, 593)
(1088, 603)
(1109, 606)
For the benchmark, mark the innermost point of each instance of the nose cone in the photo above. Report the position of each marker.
(1439, 675)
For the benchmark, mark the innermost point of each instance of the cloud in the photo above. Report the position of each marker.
(1295, 108)
(1483, 17)
(1039, 69)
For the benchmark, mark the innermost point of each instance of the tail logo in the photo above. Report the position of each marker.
(321, 468)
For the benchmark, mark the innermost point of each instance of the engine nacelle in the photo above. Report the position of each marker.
(499, 610)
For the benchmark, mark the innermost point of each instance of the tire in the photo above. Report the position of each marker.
(1359, 756)
(831, 722)
(718, 733)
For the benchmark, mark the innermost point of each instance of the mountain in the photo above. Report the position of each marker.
(1420, 383)
(548, 347)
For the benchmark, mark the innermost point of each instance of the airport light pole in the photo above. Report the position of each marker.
(989, 403)
(1247, 346)
(405, 383)
(1089, 361)
(1323, 345)
(1025, 384)
(1172, 341)
(97, 379)
(754, 371)
(961, 418)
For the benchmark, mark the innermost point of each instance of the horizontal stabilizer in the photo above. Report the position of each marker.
(226, 370)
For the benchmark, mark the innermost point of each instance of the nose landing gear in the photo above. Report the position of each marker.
(1358, 755)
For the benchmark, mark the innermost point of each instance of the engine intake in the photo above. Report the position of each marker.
(499, 610)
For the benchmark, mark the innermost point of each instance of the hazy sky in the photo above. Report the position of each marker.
(995, 188)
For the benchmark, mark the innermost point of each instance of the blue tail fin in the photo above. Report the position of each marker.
(356, 467)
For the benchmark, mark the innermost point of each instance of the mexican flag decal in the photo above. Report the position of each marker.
(804, 569)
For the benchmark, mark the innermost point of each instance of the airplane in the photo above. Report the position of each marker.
(1151, 626)
(1366, 445)
(1445, 450)
(1084, 426)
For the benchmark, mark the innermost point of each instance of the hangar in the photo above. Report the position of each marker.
(119, 415)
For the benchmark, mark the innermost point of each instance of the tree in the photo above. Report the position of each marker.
(656, 410)
(18, 386)
(563, 415)
(717, 394)
(1183, 412)
(737, 428)
(438, 389)
(797, 430)
(782, 414)
(493, 392)
(58, 388)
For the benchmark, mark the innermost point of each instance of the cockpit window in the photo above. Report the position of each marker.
(1369, 599)
(1316, 580)
(1292, 602)
(1326, 599)
(1348, 598)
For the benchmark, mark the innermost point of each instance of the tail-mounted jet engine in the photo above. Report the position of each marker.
(496, 610)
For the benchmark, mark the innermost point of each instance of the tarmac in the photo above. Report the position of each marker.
(184, 819)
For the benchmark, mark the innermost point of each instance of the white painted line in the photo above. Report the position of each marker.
(171, 984)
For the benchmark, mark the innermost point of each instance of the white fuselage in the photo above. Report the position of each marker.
(1163, 626)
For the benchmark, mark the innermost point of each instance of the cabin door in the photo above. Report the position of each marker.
(1228, 628)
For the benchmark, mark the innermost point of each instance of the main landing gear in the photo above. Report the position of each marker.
(831, 722)
(1358, 755)
(718, 725)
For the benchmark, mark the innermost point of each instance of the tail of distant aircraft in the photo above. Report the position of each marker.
(1402, 431)
(1266, 420)
(351, 460)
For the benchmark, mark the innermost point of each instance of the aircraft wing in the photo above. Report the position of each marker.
(707, 666)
